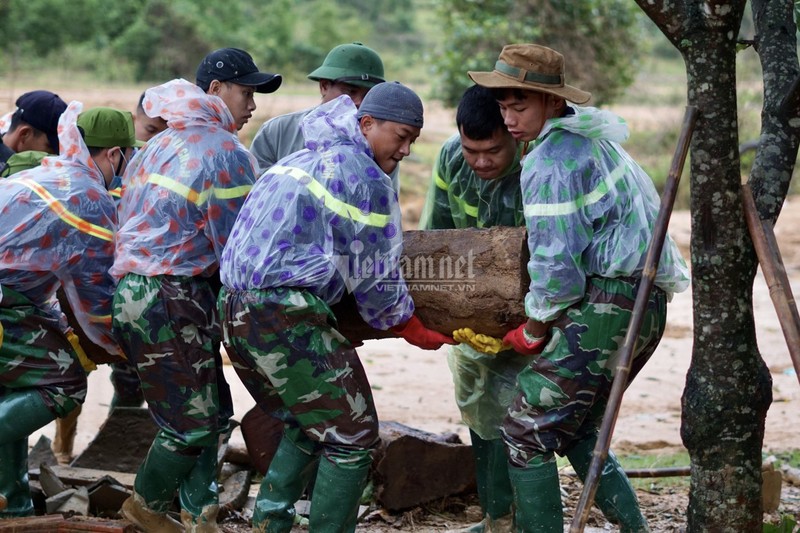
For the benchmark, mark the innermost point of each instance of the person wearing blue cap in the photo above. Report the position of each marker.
(34, 125)
(231, 74)
(321, 222)
(351, 69)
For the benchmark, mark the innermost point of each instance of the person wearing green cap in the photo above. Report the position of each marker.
(61, 236)
(22, 161)
(351, 69)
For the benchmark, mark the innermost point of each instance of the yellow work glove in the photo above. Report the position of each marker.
(87, 364)
(480, 342)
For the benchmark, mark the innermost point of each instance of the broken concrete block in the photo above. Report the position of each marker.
(106, 496)
(51, 484)
(121, 443)
(71, 501)
(412, 467)
(41, 453)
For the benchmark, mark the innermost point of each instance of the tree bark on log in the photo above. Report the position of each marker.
(458, 278)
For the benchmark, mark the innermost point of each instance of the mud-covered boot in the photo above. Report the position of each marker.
(206, 522)
(199, 494)
(64, 441)
(287, 477)
(135, 510)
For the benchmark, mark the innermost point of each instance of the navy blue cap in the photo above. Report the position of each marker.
(42, 109)
(392, 101)
(236, 66)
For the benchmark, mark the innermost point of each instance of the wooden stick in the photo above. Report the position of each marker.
(640, 305)
(780, 290)
(670, 471)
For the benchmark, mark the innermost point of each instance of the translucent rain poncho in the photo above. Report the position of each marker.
(458, 198)
(325, 219)
(58, 228)
(590, 211)
(182, 191)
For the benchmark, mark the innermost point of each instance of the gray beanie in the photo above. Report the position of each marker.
(393, 101)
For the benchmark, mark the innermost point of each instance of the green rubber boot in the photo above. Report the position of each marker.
(494, 487)
(337, 494)
(199, 493)
(615, 496)
(289, 472)
(537, 498)
(160, 475)
(22, 413)
(14, 489)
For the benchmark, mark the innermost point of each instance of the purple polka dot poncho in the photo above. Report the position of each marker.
(325, 219)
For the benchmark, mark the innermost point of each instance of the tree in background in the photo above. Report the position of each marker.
(599, 39)
(728, 386)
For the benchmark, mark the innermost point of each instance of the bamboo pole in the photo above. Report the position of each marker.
(642, 296)
(780, 290)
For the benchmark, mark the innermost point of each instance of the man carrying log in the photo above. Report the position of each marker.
(313, 227)
(476, 184)
(589, 210)
(59, 232)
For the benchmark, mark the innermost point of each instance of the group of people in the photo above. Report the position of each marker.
(170, 238)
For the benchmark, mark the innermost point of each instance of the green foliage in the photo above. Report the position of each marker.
(597, 37)
(787, 525)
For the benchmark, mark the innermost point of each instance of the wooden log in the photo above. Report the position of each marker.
(475, 278)
(56, 523)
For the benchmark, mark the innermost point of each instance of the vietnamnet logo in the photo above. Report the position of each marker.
(386, 271)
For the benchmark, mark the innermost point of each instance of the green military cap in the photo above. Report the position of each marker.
(354, 63)
(104, 127)
(22, 161)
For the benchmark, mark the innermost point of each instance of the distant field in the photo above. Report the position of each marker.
(653, 107)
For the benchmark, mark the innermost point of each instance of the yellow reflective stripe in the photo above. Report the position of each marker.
(64, 214)
(470, 210)
(174, 186)
(334, 204)
(102, 319)
(567, 208)
(116, 192)
(232, 192)
(199, 198)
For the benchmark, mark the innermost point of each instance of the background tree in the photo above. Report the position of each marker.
(599, 39)
(728, 387)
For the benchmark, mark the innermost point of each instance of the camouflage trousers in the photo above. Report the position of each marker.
(36, 354)
(564, 392)
(168, 327)
(285, 348)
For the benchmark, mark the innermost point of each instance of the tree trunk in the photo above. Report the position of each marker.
(728, 387)
(458, 278)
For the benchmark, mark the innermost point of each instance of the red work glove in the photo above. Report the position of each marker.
(522, 342)
(415, 332)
